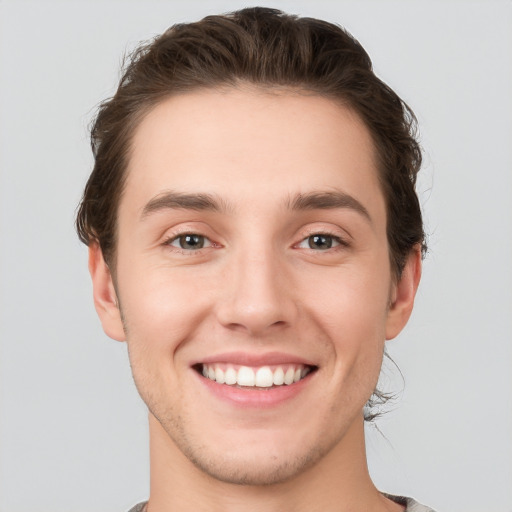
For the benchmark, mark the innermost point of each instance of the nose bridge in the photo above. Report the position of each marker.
(256, 296)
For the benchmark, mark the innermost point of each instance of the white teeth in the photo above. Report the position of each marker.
(263, 377)
(245, 376)
(230, 376)
(278, 377)
(288, 376)
(219, 375)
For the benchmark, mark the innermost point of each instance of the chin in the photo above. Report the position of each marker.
(254, 471)
(258, 459)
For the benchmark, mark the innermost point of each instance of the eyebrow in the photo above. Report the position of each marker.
(327, 201)
(176, 200)
(171, 200)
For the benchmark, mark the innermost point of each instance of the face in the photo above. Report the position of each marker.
(253, 278)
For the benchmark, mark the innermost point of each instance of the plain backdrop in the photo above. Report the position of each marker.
(73, 431)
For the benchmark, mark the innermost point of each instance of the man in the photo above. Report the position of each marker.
(255, 238)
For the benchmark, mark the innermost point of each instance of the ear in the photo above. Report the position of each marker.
(105, 297)
(403, 293)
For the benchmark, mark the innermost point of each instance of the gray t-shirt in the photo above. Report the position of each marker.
(410, 505)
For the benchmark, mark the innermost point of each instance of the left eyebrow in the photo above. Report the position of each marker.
(327, 201)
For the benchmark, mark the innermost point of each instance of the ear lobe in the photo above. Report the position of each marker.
(105, 297)
(403, 295)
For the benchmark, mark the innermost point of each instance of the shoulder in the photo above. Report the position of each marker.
(411, 505)
(139, 508)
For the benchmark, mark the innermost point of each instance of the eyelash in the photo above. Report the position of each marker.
(189, 252)
(340, 242)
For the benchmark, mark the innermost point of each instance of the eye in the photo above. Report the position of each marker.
(189, 242)
(320, 242)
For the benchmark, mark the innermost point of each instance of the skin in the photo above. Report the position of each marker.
(256, 287)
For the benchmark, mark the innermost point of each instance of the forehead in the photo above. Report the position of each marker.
(244, 144)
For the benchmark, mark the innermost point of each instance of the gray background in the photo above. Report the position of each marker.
(73, 434)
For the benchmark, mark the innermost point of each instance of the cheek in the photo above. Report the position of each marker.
(351, 310)
(161, 313)
(353, 297)
(161, 308)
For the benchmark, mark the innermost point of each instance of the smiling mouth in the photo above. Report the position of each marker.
(262, 377)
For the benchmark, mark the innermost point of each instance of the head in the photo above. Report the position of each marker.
(242, 282)
(272, 50)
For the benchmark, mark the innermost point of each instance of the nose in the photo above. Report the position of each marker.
(258, 296)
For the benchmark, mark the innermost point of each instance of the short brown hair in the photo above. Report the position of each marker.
(268, 48)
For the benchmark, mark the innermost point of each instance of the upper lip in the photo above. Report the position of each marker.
(254, 360)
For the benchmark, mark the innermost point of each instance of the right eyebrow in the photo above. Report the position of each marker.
(177, 200)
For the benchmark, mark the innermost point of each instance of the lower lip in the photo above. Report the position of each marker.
(254, 397)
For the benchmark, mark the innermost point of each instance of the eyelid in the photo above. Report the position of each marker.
(186, 227)
(175, 233)
(340, 235)
(337, 242)
(173, 239)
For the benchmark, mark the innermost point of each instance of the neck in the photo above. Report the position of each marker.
(339, 482)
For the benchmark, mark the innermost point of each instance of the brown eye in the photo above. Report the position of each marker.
(190, 242)
(320, 242)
